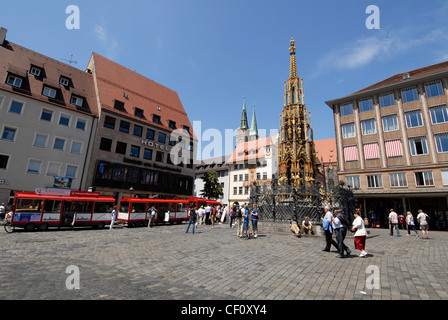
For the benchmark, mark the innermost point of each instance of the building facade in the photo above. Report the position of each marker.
(144, 144)
(392, 144)
(218, 165)
(48, 118)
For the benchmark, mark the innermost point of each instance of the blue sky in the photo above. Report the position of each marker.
(215, 53)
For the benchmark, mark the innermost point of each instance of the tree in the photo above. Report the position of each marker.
(212, 188)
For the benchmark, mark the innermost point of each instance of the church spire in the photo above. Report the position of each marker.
(253, 132)
(293, 62)
(244, 124)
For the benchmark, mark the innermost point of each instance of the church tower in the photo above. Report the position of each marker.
(296, 152)
(245, 133)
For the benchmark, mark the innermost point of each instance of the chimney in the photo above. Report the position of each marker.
(2, 35)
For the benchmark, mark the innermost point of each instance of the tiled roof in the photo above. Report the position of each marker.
(116, 82)
(251, 150)
(326, 150)
(17, 60)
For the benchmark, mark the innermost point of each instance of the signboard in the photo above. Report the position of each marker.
(52, 191)
(62, 182)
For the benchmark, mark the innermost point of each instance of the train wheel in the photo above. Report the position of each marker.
(43, 227)
(30, 227)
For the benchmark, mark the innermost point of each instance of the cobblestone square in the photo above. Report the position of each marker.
(165, 263)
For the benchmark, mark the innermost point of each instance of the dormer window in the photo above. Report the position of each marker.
(77, 101)
(35, 71)
(156, 119)
(119, 105)
(64, 81)
(138, 112)
(186, 129)
(14, 81)
(172, 124)
(49, 92)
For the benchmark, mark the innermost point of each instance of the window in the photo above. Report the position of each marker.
(77, 101)
(106, 144)
(81, 124)
(159, 156)
(121, 147)
(353, 181)
(246, 190)
(172, 124)
(150, 134)
(235, 190)
(138, 112)
(374, 181)
(49, 92)
(387, 100)
(348, 131)
(441, 142)
(16, 107)
(235, 178)
(76, 147)
(53, 169)
(409, 95)
(258, 176)
(390, 123)
(64, 81)
(346, 110)
(35, 71)
(418, 146)
(414, 119)
(246, 177)
(3, 161)
(156, 119)
(424, 178)
(14, 81)
(443, 172)
(265, 175)
(119, 105)
(34, 166)
(161, 137)
(109, 122)
(59, 144)
(365, 105)
(240, 190)
(147, 154)
(351, 153)
(40, 141)
(9, 133)
(434, 89)
(64, 120)
(124, 126)
(439, 114)
(138, 130)
(135, 151)
(71, 171)
(186, 129)
(371, 151)
(46, 115)
(368, 127)
(398, 179)
(393, 148)
(241, 177)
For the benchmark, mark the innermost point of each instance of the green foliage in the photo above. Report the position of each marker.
(212, 188)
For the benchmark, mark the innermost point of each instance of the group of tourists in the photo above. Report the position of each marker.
(206, 216)
(422, 219)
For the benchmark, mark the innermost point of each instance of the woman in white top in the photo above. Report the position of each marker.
(410, 223)
(360, 234)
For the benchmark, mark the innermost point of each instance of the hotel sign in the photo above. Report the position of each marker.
(155, 145)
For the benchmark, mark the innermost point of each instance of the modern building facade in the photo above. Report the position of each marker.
(48, 118)
(392, 144)
(141, 126)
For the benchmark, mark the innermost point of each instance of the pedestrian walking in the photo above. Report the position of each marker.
(401, 221)
(393, 222)
(239, 220)
(254, 220)
(340, 225)
(359, 228)
(112, 217)
(200, 215)
(152, 216)
(208, 210)
(410, 223)
(246, 215)
(224, 214)
(423, 220)
(326, 224)
(192, 217)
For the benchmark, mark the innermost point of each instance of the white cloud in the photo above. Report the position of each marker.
(110, 46)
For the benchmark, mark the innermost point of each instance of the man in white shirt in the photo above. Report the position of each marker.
(326, 224)
(393, 222)
(201, 214)
(422, 219)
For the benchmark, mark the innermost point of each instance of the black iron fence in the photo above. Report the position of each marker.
(279, 202)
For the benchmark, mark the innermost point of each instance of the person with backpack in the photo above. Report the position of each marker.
(423, 220)
(192, 215)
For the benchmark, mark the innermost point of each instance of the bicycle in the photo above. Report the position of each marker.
(9, 227)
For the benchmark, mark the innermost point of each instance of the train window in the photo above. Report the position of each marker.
(28, 204)
(52, 206)
(138, 207)
(124, 207)
(103, 207)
